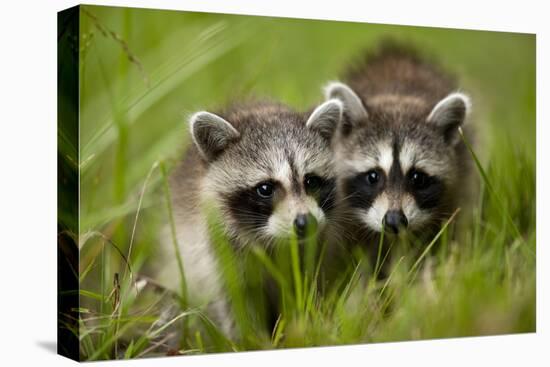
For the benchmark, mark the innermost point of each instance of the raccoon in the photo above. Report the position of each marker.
(267, 170)
(401, 163)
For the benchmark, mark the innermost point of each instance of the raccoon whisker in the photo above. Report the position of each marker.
(349, 196)
(347, 212)
(330, 196)
(347, 221)
(246, 212)
(250, 221)
(344, 214)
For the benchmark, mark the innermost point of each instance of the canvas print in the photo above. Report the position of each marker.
(231, 183)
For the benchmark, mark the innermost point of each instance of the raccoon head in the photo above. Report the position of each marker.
(399, 158)
(269, 169)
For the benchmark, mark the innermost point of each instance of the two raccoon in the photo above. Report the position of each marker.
(382, 152)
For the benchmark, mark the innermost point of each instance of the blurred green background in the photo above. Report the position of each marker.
(142, 72)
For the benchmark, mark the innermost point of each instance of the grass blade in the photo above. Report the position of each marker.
(168, 200)
(434, 240)
(487, 183)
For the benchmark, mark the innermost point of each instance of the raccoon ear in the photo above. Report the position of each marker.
(325, 118)
(211, 133)
(353, 107)
(449, 114)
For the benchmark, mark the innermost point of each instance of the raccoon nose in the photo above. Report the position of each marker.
(394, 220)
(303, 223)
(300, 224)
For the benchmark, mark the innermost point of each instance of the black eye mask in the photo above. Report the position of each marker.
(361, 190)
(249, 208)
(426, 190)
(326, 194)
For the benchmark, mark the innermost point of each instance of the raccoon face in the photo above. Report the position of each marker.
(398, 165)
(269, 169)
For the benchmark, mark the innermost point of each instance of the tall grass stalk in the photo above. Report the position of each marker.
(174, 238)
(487, 183)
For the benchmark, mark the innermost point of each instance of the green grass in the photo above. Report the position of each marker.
(143, 72)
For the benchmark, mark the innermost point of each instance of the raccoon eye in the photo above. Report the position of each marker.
(265, 190)
(419, 180)
(313, 182)
(373, 177)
